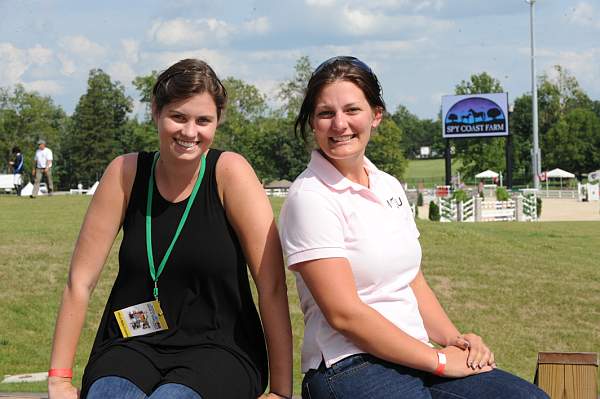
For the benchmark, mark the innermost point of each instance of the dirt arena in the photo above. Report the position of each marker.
(569, 209)
(554, 210)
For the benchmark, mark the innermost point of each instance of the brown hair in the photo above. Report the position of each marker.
(185, 79)
(346, 68)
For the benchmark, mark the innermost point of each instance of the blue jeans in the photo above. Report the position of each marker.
(365, 376)
(121, 388)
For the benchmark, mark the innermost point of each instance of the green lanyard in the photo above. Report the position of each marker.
(190, 201)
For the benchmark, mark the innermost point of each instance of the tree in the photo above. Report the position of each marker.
(291, 92)
(384, 148)
(144, 85)
(478, 154)
(417, 133)
(557, 97)
(97, 129)
(280, 155)
(481, 83)
(141, 135)
(573, 142)
(26, 117)
(244, 106)
(520, 128)
(138, 136)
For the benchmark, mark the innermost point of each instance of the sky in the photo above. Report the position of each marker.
(419, 49)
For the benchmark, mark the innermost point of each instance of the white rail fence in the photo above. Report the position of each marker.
(521, 209)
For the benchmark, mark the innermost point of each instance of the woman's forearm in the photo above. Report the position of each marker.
(274, 312)
(374, 334)
(69, 324)
(437, 323)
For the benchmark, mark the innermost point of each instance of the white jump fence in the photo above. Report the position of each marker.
(448, 210)
(522, 209)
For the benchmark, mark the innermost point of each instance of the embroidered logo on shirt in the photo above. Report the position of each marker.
(394, 202)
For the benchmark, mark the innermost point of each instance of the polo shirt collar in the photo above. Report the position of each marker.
(332, 177)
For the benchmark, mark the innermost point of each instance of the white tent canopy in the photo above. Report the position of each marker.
(487, 174)
(559, 173)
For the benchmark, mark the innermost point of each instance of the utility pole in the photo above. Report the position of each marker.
(536, 157)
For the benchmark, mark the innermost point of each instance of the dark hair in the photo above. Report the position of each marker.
(346, 68)
(185, 79)
(16, 150)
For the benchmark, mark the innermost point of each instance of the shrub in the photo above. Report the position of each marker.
(460, 196)
(538, 207)
(502, 194)
(434, 212)
(420, 199)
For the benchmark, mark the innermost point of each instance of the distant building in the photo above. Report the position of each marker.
(278, 188)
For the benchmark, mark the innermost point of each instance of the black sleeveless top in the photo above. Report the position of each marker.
(215, 343)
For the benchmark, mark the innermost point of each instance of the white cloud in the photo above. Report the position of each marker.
(131, 50)
(67, 65)
(259, 25)
(48, 87)
(139, 108)
(190, 33)
(15, 62)
(82, 47)
(320, 3)
(361, 21)
(358, 21)
(584, 14)
(39, 55)
(269, 87)
(581, 64)
(387, 5)
(219, 61)
(122, 72)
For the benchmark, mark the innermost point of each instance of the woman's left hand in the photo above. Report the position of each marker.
(479, 354)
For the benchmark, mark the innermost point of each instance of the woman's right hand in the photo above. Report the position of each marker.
(61, 388)
(456, 363)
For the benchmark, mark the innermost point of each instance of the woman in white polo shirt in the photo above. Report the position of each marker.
(348, 232)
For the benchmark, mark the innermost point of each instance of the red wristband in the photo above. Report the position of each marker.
(441, 366)
(64, 373)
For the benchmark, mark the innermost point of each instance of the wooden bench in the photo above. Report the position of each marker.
(568, 375)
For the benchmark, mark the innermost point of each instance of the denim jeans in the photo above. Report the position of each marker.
(121, 388)
(365, 376)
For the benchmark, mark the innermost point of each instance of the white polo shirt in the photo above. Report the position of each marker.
(329, 216)
(42, 157)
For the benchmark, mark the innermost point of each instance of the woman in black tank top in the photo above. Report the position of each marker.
(180, 321)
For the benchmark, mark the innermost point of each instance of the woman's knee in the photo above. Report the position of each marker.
(174, 391)
(115, 387)
(496, 384)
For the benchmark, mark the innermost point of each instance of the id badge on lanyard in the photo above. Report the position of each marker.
(141, 319)
(148, 317)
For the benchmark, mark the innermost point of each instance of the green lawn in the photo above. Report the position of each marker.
(525, 287)
(430, 172)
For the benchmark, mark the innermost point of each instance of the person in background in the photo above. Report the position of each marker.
(17, 165)
(42, 166)
(180, 321)
(349, 235)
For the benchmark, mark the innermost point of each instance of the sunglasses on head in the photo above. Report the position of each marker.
(344, 58)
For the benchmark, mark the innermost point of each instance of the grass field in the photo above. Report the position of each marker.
(430, 172)
(525, 287)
